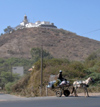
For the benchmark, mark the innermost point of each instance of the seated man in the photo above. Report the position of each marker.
(60, 76)
(59, 79)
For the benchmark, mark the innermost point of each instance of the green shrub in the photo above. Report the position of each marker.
(8, 86)
(92, 56)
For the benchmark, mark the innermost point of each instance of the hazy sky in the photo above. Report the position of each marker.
(79, 16)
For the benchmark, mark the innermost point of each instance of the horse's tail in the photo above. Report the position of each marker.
(73, 89)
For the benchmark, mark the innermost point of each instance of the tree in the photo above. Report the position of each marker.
(8, 77)
(9, 29)
(92, 56)
(36, 54)
(1, 34)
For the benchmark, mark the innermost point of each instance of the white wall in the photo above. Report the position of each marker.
(19, 70)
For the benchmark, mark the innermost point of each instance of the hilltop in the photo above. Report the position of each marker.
(58, 42)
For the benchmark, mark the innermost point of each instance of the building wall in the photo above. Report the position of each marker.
(18, 70)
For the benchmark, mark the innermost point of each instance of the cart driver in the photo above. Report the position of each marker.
(60, 79)
(60, 75)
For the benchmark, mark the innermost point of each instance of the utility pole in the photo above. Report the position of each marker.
(11, 73)
(41, 69)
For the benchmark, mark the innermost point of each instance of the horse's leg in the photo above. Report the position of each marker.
(75, 92)
(86, 92)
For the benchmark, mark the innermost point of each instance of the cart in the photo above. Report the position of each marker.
(62, 88)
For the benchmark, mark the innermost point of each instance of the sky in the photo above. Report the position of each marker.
(79, 16)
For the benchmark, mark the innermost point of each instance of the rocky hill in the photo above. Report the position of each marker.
(58, 42)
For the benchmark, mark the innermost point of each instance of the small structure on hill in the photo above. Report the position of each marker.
(26, 24)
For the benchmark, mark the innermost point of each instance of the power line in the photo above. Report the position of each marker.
(91, 31)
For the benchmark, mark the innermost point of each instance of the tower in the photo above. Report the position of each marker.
(25, 20)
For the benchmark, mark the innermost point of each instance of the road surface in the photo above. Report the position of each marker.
(7, 100)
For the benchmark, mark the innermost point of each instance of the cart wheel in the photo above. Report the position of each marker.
(58, 93)
(66, 93)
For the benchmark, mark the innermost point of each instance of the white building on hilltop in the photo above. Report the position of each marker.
(25, 21)
(26, 24)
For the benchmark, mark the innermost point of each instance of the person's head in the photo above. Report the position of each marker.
(60, 71)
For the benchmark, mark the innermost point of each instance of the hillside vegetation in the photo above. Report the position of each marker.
(58, 42)
(78, 57)
(72, 70)
(7, 77)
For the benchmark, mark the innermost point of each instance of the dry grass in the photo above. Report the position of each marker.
(58, 42)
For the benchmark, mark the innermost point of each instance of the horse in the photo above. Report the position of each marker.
(82, 84)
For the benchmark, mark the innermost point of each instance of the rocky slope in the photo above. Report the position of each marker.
(58, 42)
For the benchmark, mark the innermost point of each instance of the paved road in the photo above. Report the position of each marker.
(13, 101)
(8, 97)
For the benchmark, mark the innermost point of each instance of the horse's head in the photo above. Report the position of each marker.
(90, 79)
